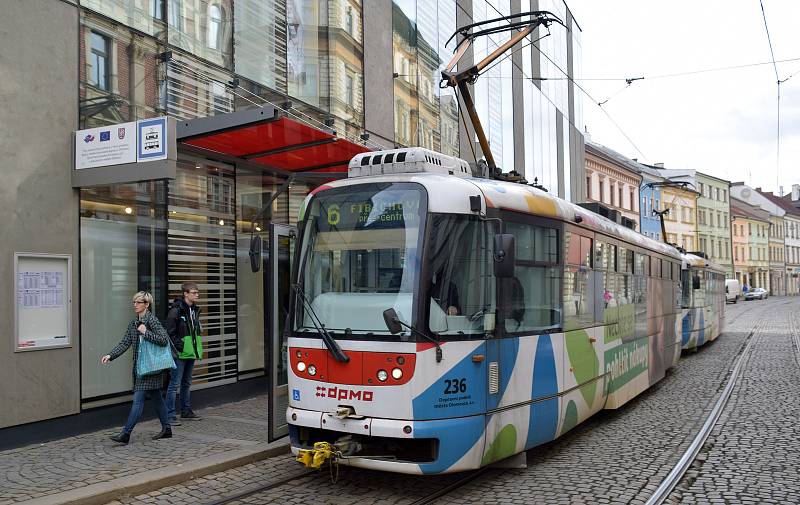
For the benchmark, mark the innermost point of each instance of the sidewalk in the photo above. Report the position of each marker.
(90, 468)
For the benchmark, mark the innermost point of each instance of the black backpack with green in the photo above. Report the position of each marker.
(185, 330)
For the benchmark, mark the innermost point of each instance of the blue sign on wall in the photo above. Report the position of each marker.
(151, 139)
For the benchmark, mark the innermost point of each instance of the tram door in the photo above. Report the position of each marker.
(278, 289)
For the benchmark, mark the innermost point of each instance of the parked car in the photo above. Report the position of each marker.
(756, 294)
(733, 290)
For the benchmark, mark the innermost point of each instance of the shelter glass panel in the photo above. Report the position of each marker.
(123, 250)
(202, 249)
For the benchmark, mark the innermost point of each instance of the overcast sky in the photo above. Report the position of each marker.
(723, 123)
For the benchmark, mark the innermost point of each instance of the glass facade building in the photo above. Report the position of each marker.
(197, 58)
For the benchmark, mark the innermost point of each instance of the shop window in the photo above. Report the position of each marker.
(123, 234)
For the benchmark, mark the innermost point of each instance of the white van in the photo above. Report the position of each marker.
(733, 291)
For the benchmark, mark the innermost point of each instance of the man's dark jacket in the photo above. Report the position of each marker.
(184, 320)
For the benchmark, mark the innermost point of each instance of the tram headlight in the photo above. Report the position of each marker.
(382, 375)
(301, 367)
(312, 370)
(397, 374)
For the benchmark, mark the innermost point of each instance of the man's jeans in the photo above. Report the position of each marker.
(138, 407)
(183, 376)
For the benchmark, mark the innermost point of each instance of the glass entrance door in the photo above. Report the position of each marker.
(281, 254)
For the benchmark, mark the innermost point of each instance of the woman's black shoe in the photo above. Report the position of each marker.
(165, 433)
(122, 438)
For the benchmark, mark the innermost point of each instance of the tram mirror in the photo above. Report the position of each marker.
(696, 282)
(391, 320)
(504, 255)
(255, 253)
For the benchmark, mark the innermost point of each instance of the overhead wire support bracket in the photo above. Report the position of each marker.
(522, 24)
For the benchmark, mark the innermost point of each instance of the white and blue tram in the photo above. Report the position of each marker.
(443, 322)
(702, 301)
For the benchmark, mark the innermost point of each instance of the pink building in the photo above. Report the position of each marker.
(612, 180)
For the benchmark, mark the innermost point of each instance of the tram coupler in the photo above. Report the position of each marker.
(314, 458)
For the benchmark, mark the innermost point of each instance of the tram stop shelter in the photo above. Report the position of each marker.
(166, 201)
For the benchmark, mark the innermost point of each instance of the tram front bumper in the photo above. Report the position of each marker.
(404, 446)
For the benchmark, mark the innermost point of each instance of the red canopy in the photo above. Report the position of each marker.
(264, 137)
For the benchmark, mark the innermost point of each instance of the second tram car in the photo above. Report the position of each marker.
(702, 300)
(442, 322)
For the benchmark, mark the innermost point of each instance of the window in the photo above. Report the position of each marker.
(215, 23)
(619, 197)
(348, 21)
(349, 91)
(724, 195)
(530, 301)
(100, 62)
(600, 197)
(588, 187)
(632, 199)
(157, 9)
(175, 14)
(578, 300)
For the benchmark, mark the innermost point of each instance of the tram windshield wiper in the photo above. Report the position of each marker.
(330, 342)
(393, 322)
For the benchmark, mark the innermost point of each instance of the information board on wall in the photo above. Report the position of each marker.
(43, 300)
(137, 141)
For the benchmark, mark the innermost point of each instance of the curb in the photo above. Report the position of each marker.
(152, 480)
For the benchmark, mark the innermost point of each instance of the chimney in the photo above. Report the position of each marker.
(795, 192)
(780, 191)
(659, 165)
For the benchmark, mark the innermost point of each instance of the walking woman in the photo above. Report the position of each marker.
(146, 325)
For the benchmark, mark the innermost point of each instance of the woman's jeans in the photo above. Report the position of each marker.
(138, 407)
(180, 376)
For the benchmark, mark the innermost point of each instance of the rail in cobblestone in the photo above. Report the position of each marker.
(684, 463)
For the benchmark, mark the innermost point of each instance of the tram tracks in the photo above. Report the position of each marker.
(676, 475)
(460, 481)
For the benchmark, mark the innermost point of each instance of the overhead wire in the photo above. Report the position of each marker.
(778, 83)
(570, 79)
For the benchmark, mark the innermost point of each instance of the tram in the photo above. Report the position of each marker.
(702, 301)
(442, 323)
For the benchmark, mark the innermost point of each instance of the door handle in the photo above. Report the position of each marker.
(592, 340)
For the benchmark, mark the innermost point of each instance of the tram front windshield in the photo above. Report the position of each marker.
(360, 256)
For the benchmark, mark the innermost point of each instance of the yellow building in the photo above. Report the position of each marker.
(750, 244)
(680, 221)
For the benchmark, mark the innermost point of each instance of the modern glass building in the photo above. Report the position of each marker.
(364, 72)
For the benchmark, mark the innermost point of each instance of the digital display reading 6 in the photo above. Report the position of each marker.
(356, 215)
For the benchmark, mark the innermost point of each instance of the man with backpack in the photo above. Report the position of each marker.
(184, 329)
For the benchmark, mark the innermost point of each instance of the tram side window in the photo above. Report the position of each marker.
(699, 295)
(530, 301)
(578, 293)
(461, 286)
(686, 289)
(640, 294)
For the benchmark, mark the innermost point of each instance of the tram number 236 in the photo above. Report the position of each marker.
(454, 386)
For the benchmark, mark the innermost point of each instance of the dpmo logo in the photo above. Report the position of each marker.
(338, 393)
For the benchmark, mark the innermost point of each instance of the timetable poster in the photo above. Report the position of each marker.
(43, 302)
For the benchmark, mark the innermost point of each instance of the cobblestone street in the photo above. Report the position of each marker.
(617, 456)
(74, 463)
